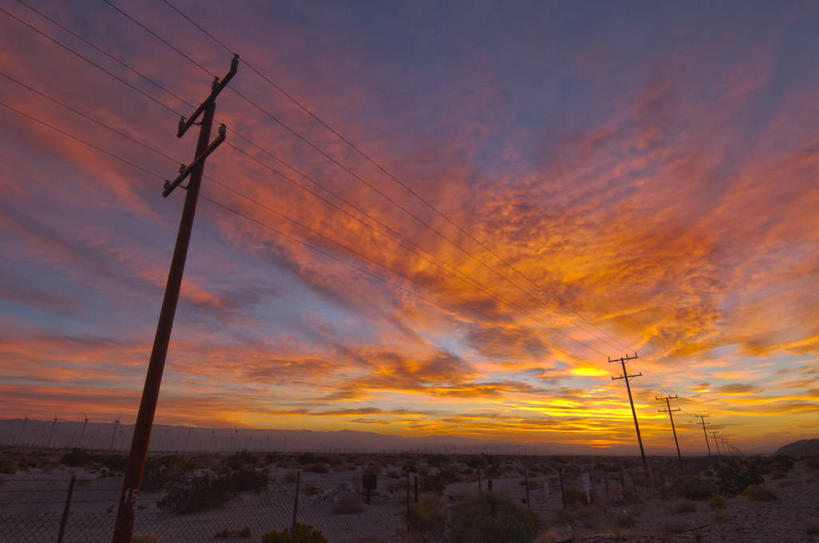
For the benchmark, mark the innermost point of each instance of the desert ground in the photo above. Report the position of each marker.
(240, 497)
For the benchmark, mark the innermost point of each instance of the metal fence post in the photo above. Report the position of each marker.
(64, 520)
(295, 508)
(526, 482)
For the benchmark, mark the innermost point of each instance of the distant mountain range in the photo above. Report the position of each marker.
(117, 437)
(803, 447)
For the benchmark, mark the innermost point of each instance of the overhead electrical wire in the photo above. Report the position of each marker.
(603, 336)
(150, 97)
(379, 166)
(314, 232)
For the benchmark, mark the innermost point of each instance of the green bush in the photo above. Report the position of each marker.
(692, 487)
(428, 519)
(736, 474)
(432, 484)
(574, 496)
(77, 458)
(303, 534)
(759, 493)
(491, 518)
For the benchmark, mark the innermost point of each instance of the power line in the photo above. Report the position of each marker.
(88, 60)
(370, 185)
(150, 97)
(160, 38)
(150, 148)
(381, 168)
(227, 208)
(107, 54)
(89, 144)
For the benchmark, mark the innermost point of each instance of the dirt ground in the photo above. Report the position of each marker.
(793, 517)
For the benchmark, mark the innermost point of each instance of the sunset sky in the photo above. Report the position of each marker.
(540, 186)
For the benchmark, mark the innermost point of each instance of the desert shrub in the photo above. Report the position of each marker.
(348, 505)
(246, 532)
(812, 529)
(427, 518)
(291, 476)
(433, 483)
(692, 487)
(76, 458)
(759, 493)
(574, 496)
(312, 490)
(162, 470)
(197, 494)
(306, 458)
(317, 468)
(491, 518)
(303, 534)
(625, 520)
(736, 474)
(114, 462)
(717, 502)
(684, 507)
(223, 534)
(145, 538)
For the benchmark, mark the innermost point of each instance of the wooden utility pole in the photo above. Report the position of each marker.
(716, 442)
(626, 376)
(704, 432)
(671, 416)
(150, 393)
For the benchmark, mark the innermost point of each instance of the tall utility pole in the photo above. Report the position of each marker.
(150, 393)
(626, 376)
(671, 416)
(704, 432)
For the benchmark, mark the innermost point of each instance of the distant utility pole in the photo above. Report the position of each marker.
(150, 393)
(626, 376)
(671, 416)
(716, 442)
(704, 432)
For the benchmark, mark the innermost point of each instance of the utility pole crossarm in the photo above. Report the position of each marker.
(217, 87)
(185, 171)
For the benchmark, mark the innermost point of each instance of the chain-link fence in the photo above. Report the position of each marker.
(45, 510)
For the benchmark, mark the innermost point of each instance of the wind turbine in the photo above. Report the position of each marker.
(82, 432)
(51, 433)
(114, 434)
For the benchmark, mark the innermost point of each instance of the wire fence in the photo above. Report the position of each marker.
(53, 508)
(45, 510)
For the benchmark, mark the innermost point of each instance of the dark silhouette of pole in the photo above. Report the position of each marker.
(295, 509)
(150, 394)
(671, 417)
(704, 432)
(716, 442)
(626, 376)
(64, 519)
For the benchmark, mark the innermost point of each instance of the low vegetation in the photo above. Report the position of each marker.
(303, 534)
(491, 518)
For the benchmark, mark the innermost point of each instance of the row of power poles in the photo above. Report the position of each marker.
(626, 376)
